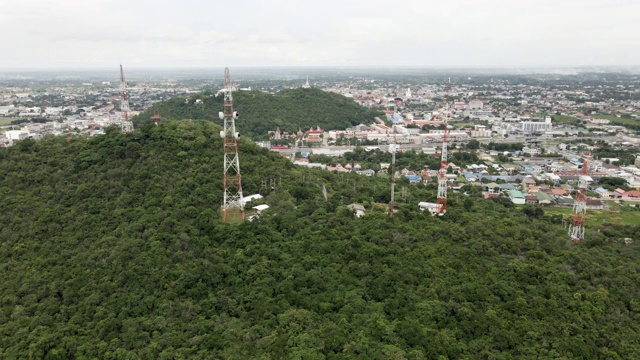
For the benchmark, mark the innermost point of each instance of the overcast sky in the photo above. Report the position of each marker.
(391, 33)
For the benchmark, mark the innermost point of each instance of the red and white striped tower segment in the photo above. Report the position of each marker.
(127, 125)
(442, 173)
(576, 228)
(232, 206)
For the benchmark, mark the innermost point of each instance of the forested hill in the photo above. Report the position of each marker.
(112, 248)
(260, 112)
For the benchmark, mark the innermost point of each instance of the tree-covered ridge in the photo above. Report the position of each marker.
(290, 110)
(112, 247)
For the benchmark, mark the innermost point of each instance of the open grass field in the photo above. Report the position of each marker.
(564, 119)
(5, 121)
(462, 124)
(621, 120)
(619, 215)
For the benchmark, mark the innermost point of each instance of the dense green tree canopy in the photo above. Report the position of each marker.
(260, 112)
(612, 183)
(112, 247)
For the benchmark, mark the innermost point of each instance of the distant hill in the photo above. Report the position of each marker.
(112, 247)
(260, 112)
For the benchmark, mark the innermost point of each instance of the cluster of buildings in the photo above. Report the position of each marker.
(32, 109)
(475, 112)
(521, 107)
(551, 182)
(311, 136)
(87, 123)
(500, 112)
(537, 180)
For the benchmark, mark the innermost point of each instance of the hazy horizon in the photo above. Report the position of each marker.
(72, 34)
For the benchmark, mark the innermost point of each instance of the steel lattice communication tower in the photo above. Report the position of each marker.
(442, 173)
(232, 206)
(576, 228)
(393, 148)
(127, 125)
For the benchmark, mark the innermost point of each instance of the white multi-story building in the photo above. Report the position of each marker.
(404, 130)
(5, 110)
(16, 134)
(53, 111)
(481, 133)
(536, 126)
(475, 104)
(532, 151)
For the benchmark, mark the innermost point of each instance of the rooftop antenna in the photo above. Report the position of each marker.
(233, 205)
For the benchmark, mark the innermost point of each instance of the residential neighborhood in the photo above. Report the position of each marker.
(32, 107)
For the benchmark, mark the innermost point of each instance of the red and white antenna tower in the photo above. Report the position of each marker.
(576, 228)
(127, 125)
(442, 173)
(232, 206)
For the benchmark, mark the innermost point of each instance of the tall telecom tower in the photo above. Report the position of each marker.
(392, 149)
(232, 207)
(576, 228)
(127, 125)
(442, 173)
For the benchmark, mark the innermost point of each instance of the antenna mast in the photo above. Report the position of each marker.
(576, 228)
(127, 125)
(232, 205)
(442, 173)
(392, 149)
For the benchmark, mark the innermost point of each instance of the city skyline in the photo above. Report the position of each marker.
(290, 33)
